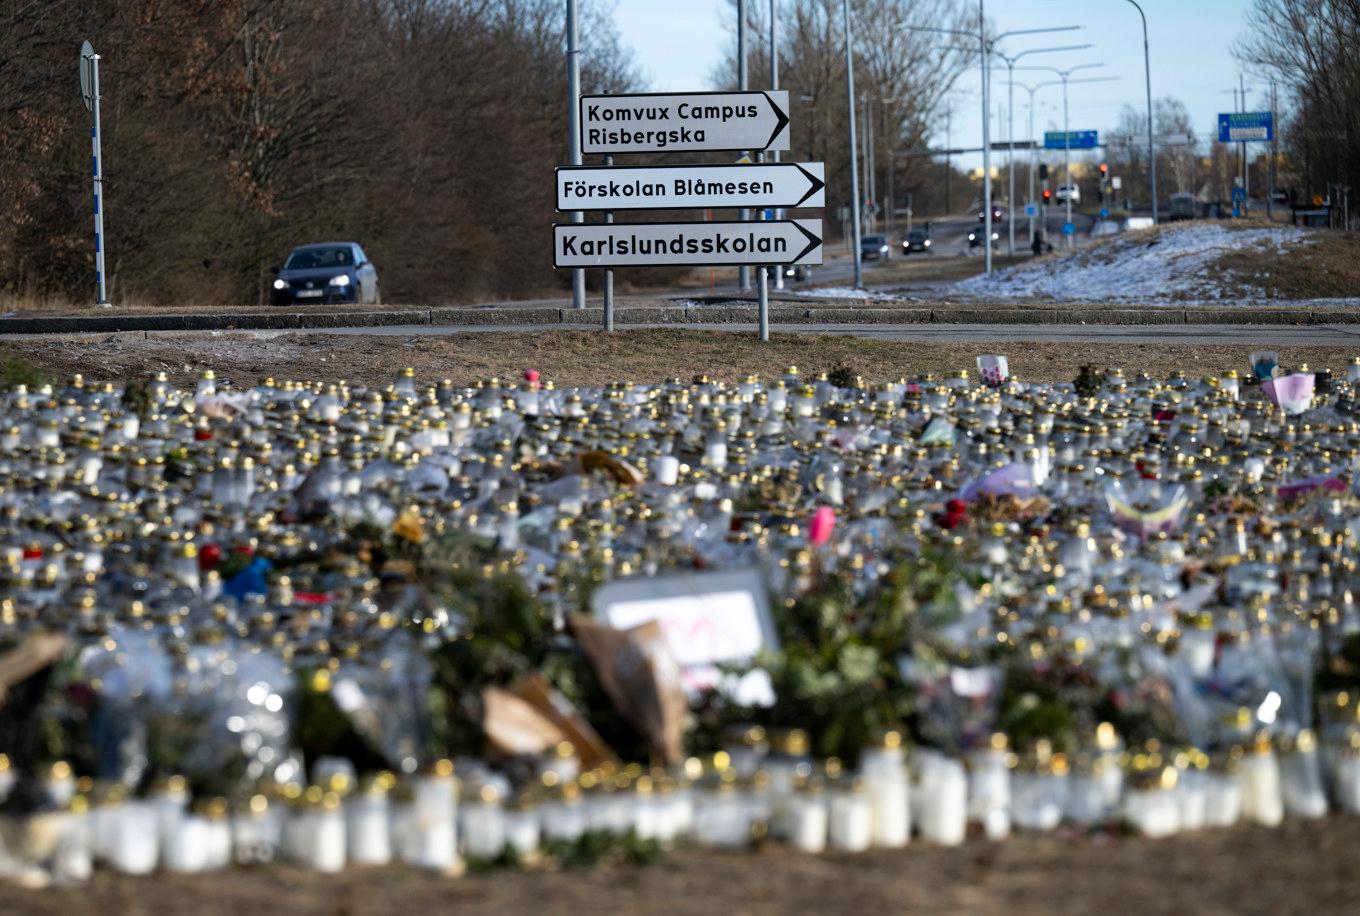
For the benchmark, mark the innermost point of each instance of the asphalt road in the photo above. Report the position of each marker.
(1229, 335)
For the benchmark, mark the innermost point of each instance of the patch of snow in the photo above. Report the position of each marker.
(847, 292)
(1140, 266)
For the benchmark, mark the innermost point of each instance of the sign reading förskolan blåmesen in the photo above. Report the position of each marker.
(789, 241)
(684, 187)
(685, 122)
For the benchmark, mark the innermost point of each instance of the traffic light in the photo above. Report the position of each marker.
(1043, 172)
(1048, 196)
(1104, 169)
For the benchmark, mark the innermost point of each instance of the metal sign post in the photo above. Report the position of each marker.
(89, 91)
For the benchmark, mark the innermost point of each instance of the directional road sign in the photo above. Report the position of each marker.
(699, 187)
(1072, 139)
(86, 84)
(685, 122)
(1246, 126)
(788, 241)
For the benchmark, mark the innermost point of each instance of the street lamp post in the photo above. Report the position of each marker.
(854, 165)
(1147, 76)
(1064, 76)
(984, 48)
(1010, 60)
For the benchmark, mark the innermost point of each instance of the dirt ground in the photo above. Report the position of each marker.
(591, 358)
(1327, 267)
(1299, 868)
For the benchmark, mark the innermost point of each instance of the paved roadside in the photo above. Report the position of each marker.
(1256, 336)
(698, 312)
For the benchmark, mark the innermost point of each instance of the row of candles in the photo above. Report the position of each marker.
(730, 799)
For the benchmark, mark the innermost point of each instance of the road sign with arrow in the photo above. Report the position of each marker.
(789, 241)
(684, 122)
(700, 187)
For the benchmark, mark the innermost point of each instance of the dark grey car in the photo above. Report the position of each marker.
(326, 272)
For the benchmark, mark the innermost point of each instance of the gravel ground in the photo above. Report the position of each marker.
(591, 358)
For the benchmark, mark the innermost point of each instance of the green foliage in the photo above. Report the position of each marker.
(596, 846)
(842, 376)
(836, 673)
(16, 370)
(1089, 381)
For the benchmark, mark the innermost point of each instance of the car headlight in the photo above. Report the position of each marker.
(341, 280)
(280, 284)
(926, 243)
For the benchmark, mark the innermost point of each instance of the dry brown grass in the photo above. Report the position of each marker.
(592, 358)
(1325, 268)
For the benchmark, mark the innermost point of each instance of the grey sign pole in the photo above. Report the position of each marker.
(774, 84)
(609, 274)
(89, 90)
(763, 286)
(578, 277)
(743, 275)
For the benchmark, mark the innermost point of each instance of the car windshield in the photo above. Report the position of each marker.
(873, 240)
(916, 234)
(315, 258)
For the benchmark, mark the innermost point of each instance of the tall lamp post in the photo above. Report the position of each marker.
(1064, 76)
(1147, 76)
(984, 49)
(854, 164)
(1034, 153)
(1010, 60)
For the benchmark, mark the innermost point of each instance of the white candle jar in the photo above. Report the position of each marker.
(170, 797)
(133, 838)
(850, 817)
(1301, 777)
(522, 828)
(807, 818)
(257, 830)
(564, 818)
(1222, 799)
(186, 845)
(940, 801)
(322, 837)
(882, 767)
(1153, 811)
(1037, 798)
(721, 817)
(434, 806)
(1345, 776)
(989, 788)
(368, 824)
(1258, 774)
(484, 824)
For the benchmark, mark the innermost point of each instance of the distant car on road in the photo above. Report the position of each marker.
(1182, 206)
(975, 238)
(326, 272)
(916, 240)
(799, 272)
(875, 248)
(998, 214)
(1064, 190)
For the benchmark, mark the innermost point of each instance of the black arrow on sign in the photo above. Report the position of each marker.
(783, 119)
(813, 242)
(817, 183)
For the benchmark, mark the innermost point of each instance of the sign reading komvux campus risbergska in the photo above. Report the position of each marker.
(688, 122)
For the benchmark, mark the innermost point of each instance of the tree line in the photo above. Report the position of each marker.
(427, 130)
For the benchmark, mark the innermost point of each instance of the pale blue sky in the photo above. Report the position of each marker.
(678, 42)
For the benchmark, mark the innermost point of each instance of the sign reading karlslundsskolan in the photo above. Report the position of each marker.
(685, 122)
(683, 187)
(790, 241)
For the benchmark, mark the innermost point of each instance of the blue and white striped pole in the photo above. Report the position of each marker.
(99, 273)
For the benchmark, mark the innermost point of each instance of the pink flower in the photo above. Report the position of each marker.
(819, 529)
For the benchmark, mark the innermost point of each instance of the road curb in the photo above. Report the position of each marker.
(682, 311)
